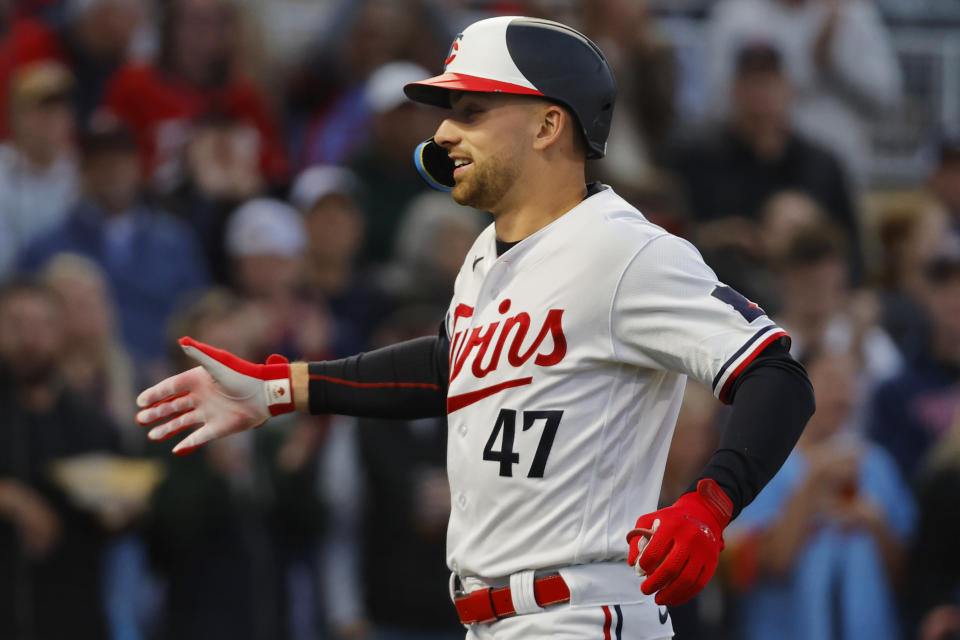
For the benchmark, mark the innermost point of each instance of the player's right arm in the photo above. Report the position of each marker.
(227, 394)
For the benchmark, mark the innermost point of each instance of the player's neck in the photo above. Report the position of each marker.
(524, 213)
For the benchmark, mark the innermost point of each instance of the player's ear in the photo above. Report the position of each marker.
(552, 122)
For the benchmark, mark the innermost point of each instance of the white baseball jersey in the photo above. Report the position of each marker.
(567, 367)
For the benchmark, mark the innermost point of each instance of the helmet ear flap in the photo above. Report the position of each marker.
(434, 165)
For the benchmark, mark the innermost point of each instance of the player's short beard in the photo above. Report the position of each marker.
(487, 183)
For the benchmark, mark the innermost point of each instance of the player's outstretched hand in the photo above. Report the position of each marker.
(224, 395)
(677, 547)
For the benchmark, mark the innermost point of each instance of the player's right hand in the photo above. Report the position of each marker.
(224, 395)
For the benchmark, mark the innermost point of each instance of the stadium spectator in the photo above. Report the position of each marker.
(944, 183)
(94, 38)
(914, 411)
(744, 252)
(819, 552)
(434, 236)
(287, 456)
(644, 63)
(26, 40)
(93, 361)
(782, 217)
(823, 316)
(151, 259)
(50, 552)
(733, 167)
(911, 228)
(329, 118)
(383, 164)
(266, 243)
(38, 173)
(327, 198)
(193, 77)
(933, 583)
(942, 623)
(836, 53)
(95, 364)
(221, 172)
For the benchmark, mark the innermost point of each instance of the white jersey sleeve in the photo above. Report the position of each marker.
(670, 312)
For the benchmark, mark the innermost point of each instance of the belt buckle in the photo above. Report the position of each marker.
(456, 587)
(477, 607)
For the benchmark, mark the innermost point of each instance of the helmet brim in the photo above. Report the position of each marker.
(436, 90)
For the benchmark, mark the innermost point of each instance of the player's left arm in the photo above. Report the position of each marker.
(672, 313)
(772, 401)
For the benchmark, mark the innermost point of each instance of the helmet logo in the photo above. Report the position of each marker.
(453, 50)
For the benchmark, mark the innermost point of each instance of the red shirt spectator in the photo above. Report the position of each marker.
(29, 40)
(92, 38)
(194, 76)
(160, 108)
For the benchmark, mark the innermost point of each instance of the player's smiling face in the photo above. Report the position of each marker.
(486, 135)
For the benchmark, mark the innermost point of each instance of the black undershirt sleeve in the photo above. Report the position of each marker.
(406, 380)
(772, 402)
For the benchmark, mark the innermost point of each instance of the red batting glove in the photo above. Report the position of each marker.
(224, 395)
(677, 547)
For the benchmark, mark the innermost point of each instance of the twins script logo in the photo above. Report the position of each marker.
(507, 338)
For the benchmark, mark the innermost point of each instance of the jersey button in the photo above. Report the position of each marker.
(462, 429)
(461, 501)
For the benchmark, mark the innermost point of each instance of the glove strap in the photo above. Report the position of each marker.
(277, 385)
(716, 501)
(279, 396)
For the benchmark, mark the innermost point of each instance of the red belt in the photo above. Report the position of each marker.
(488, 605)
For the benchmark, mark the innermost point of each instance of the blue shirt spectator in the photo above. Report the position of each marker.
(38, 173)
(151, 261)
(817, 554)
(837, 587)
(914, 411)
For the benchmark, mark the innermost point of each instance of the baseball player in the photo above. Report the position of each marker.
(560, 365)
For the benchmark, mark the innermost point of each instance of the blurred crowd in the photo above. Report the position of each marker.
(169, 169)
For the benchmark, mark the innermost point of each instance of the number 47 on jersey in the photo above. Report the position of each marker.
(507, 426)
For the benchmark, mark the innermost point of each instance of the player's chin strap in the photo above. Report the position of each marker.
(434, 165)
